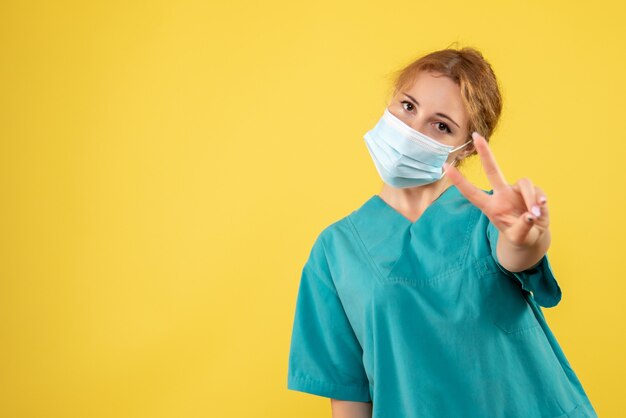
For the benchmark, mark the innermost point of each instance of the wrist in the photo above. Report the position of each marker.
(516, 258)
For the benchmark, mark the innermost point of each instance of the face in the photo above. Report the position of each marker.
(433, 106)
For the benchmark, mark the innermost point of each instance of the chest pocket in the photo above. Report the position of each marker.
(508, 304)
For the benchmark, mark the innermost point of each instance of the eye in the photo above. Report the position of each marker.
(446, 128)
(411, 107)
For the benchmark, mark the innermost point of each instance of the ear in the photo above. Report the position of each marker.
(470, 149)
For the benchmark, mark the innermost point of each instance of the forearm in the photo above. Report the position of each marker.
(515, 258)
(350, 409)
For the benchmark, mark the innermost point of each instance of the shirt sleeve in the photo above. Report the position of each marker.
(325, 357)
(539, 279)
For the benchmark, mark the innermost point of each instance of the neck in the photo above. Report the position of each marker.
(413, 201)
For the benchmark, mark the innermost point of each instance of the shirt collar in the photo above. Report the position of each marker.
(388, 235)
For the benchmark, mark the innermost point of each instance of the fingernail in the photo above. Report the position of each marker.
(475, 134)
(536, 211)
(543, 200)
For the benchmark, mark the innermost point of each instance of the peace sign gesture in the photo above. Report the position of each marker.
(519, 211)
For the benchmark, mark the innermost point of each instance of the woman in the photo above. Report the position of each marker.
(425, 301)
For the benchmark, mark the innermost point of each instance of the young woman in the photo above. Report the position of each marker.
(425, 301)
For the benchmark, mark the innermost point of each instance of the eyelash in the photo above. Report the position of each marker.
(448, 130)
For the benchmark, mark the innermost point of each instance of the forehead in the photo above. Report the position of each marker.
(437, 93)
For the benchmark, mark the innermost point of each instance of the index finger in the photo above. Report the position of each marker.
(494, 175)
(479, 198)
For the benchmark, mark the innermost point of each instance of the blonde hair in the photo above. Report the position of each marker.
(472, 73)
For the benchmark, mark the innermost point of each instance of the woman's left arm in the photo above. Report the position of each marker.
(518, 211)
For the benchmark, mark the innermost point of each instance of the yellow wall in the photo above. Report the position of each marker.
(165, 167)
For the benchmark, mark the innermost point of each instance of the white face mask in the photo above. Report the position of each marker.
(403, 156)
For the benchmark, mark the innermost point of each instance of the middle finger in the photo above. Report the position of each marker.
(494, 175)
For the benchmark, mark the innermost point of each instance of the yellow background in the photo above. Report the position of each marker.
(165, 167)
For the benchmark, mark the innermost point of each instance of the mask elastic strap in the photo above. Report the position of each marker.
(459, 147)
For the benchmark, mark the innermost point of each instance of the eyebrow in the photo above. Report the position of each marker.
(438, 114)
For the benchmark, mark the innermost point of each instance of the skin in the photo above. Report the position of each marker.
(350, 409)
(519, 211)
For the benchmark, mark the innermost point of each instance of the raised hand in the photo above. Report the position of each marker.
(519, 211)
